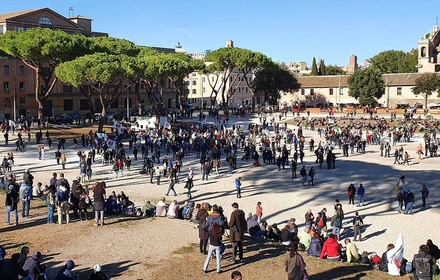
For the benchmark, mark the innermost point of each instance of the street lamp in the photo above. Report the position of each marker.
(128, 107)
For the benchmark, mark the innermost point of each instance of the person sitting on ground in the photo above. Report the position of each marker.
(286, 236)
(65, 273)
(375, 260)
(315, 247)
(272, 231)
(126, 205)
(97, 273)
(433, 250)
(111, 204)
(161, 208)
(331, 249)
(364, 258)
(304, 239)
(236, 275)
(149, 209)
(173, 210)
(293, 227)
(12, 268)
(383, 266)
(254, 228)
(422, 263)
(33, 265)
(187, 211)
(352, 251)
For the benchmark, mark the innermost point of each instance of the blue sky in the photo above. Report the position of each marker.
(284, 30)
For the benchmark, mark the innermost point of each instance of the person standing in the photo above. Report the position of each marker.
(63, 160)
(99, 201)
(294, 166)
(58, 156)
(259, 211)
(336, 224)
(202, 217)
(294, 264)
(215, 223)
(238, 186)
(357, 226)
(237, 225)
(303, 173)
(25, 197)
(351, 192)
(61, 198)
(11, 203)
(312, 175)
(360, 194)
(49, 192)
(425, 192)
(409, 202)
(400, 199)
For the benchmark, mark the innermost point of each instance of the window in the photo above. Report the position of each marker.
(45, 72)
(84, 89)
(45, 22)
(5, 69)
(341, 91)
(1, 29)
(22, 102)
(423, 52)
(7, 102)
(67, 89)
(399, 91)
(6, 86)
(303, 91)
(21, 86)
(203, 89)
(84, 104)
(20, 28)
(114, 105)
(129, 103)
(212, 79)
(239, 89)
(194, 91)
(21, 70)
(142, 86)
(68, 104)
(203, 79)
(312, 91)
(194, 83)
(330, 91)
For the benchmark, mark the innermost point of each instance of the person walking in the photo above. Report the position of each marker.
(238, 186)
(303, 173)
(409, 202)
(312, 175)
(357, 226)
(294, 166)
(63, 160)
(400, 198)
(216, 224)
(425, 192)
(171, 187)
(360, 194)
(237, 225)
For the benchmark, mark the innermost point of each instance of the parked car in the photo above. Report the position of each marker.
(64, 119)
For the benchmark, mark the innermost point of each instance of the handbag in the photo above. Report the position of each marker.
(234, 228)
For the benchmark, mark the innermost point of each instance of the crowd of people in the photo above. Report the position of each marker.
(213, 147)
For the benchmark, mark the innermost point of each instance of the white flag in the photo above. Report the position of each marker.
(395, 257)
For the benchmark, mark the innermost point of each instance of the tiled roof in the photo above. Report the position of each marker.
(15, 14)
(323, 81)
(399, 79)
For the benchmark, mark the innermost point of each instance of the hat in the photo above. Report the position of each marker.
(36, 255)
(70, 264)
(97, 268)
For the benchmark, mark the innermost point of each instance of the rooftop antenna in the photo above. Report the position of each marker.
(71, 12)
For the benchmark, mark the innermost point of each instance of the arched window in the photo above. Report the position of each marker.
(46, 22)
(423, 52)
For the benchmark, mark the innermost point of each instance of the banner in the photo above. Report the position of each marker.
(395, 257)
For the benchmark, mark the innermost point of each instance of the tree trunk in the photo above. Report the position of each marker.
(37, 97)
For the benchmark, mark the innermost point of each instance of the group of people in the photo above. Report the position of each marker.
(22, 266)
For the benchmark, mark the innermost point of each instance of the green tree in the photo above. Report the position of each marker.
(426, 84)
(103, 72)
(366, 86)
(272, 81)
(393, 61)
(322, 68)
(314, 68)
(43, 49)
(334, 70)
(113, 45)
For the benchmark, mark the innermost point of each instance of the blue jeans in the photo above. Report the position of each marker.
(50, 213)
(409, 208)
(360, 199)
(25, 205)
(336, 231)
(10, 209)
(208, 258)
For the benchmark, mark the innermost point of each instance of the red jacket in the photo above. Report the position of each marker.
(331, 248)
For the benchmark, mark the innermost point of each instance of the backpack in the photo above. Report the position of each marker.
(338, 222)
(321, 223)
(358, 223)
(422, 266)
(216, 231)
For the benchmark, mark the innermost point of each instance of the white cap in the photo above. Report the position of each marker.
(97, 268)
